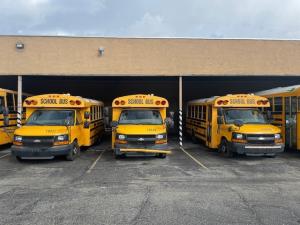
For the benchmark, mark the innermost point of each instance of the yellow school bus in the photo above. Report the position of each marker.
(8, 114)
(285, 112)
(233, 124)
(139, 126)
(58, 124)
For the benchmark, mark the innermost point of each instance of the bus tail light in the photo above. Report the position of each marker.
(163, 102)
(72, 102)
(157, 102)
(122, 102)
(117, 102)
(78, 102)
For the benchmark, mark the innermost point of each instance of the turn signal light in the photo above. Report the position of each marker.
(72, 102)
(29, 102)
(122, 102)
(262, 102)
(157, 102)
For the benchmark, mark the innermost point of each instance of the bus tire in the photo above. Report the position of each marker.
(224, 149)
(19, 159)
(162, 155)
(118, 156)
(194, 138)
(75, 151)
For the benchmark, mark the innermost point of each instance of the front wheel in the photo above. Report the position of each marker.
(162, 155)
(224, 149)
(75, 151)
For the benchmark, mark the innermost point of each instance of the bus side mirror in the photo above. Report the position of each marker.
(114, 124)
(171, 114)
(86, 115)
(238, 123)
(86, 124)
(106, 111)
(220, 120)
(269, 115)
(6, 121)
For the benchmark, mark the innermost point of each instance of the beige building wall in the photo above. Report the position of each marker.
(146, 56)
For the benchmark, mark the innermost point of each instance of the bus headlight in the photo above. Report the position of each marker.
(160, 136)
(18, 138)
(277, 136)
(121, 136)
(61, 139)
(238, 136)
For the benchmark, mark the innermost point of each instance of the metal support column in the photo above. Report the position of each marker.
(180, 111)
(20, 110)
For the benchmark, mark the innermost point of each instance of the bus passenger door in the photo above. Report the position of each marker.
(291, 122)
(209, 125)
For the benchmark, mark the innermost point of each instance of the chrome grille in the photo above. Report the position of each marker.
(260, 139)
(36, 141)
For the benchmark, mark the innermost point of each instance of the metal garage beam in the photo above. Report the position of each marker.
(19, 113)
(180, 111)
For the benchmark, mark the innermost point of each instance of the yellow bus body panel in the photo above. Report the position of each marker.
(139, 101)
(83, 136)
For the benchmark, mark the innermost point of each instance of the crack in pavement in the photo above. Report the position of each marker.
(248, 205)
(142, 207)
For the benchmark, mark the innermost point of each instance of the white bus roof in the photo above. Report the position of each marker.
(278, 90)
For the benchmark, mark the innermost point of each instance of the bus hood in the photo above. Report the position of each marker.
(257, 129)
(141, 129)
(41, 130)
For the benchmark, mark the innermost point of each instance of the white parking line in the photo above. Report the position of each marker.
(95, 162)
(4, 155)
(193, 158)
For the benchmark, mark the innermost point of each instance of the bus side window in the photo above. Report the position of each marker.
(2, 104)
(271, 103)
(78, 118)
(189, 111)
(298, 103)
(198, 112)
(10, 102)
(201, 112)
(278, 104)
(204, 112)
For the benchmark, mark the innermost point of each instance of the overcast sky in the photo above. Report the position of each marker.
(276, 19)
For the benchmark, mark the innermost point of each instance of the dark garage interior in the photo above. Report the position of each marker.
(108, 88)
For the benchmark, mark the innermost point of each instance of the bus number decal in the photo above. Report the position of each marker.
(149, 101)
(241, 101)
(53, 101)
(135, 101)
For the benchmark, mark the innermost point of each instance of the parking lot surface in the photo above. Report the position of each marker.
(191, 186)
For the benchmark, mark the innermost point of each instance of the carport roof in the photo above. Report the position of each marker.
(80, 56)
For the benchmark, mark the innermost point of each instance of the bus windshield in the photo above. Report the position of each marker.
(250, 116)
(51, 118)
(138, 116)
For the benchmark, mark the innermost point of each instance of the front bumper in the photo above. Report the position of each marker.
(144, 150)
(250, 149)
(30, 152)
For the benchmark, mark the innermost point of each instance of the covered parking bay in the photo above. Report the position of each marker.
(96, 188)
(179, 69)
